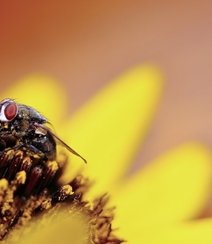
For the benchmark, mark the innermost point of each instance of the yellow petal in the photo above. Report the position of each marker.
(109, 129)
(194, 232)
(41, 92)
(173, 188)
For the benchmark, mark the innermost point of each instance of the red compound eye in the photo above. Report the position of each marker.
(10, 111)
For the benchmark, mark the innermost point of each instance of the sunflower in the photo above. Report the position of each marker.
(157, 204)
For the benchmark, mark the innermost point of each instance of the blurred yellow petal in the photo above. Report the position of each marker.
(192, 232)
(173, 188)
(109, 129)
(41, 92)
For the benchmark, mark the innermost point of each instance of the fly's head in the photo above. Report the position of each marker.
(17, 124)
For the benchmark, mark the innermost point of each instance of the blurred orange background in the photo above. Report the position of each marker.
(85, 44)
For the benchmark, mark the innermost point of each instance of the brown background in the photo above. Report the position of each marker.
(85, 44)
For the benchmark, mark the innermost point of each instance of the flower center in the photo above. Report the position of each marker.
(63, 215)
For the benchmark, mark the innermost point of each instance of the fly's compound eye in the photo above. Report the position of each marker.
(8, 110)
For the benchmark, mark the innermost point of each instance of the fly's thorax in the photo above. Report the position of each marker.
(29, 114)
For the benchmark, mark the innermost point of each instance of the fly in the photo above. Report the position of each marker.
(24, 137)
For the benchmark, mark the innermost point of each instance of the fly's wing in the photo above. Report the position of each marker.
(43, 129)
